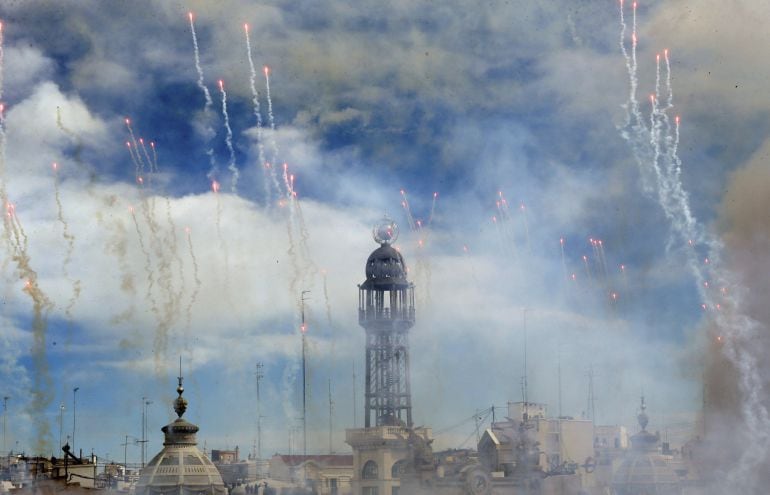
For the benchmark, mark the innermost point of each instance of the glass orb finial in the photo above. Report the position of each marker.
(385, 231)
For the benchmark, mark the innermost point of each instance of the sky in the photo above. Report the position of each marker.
(498, 127)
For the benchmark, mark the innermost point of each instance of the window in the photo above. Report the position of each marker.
(398, 469)
(369, 490)
(370, 472)
(394, 490)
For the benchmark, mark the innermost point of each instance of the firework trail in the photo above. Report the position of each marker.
(526, 226)
(589, 276)
(270, 118)
(266, 169)
(563, 259)
(133, 148)
(197, 279)
(432, 209)
(70, 240)
(725, 307)
(408, 210)
(154, 156)
(2, 62)
(209, 103)
(222, 244)
(229, 140)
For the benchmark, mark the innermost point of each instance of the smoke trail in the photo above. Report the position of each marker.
(70, 240)
(270, 118)
(258, 114)
(147, 264)
(194, 295)
(16, 243)
(208, 101)
(229, 140)
(726, 310)
(41, 305)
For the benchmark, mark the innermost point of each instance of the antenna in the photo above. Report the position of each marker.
(591, 407)
(302, 300)
(331, 412)
(259, 375)
(525, 384)
(354, 394)
(558, 361)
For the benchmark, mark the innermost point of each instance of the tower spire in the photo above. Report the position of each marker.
(180, 404)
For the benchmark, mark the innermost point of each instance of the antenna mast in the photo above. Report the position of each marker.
(259, 375)
(304, 374)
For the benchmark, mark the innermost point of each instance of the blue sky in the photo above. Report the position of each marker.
(519, 98)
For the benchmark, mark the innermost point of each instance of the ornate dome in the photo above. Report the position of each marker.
(180, 468)
(644, 470)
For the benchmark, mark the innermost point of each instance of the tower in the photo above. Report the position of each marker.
(386, 311)
(388, 445)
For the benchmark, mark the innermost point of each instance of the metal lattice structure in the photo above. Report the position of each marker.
(386, 311)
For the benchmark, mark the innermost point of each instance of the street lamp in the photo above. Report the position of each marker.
(74, 414)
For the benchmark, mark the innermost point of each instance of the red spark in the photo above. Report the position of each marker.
(303, 328)
(267, 69)
(676, 119)
(190, 15)
(435, 195)
(187, 230)
(128, 121)
(221, 85)
(245, 27)
(139, 179)
(561, 240)
(55, 166)
(215, 186)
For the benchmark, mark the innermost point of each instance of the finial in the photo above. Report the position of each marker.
(385, 231)
(180, 404)
(642, 417)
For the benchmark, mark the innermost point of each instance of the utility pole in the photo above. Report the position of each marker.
(5, 416)
(61, 422)
(74, 415)
(354, 395)
(525, 384)
(331, 411)
(259, 375)
(125, 455)
(304, 374)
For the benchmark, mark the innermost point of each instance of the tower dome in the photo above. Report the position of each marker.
(180, 468)
(385, 267)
